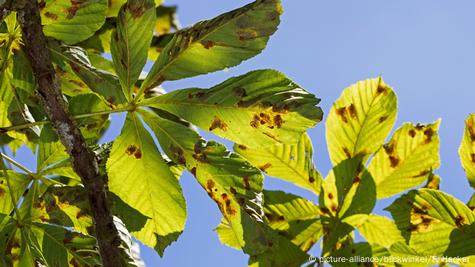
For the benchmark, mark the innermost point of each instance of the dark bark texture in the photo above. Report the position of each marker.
(84, 161)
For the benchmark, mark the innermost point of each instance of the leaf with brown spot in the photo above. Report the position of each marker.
(274, 110)
(434, 223)
(360, 120)
(293, 163)
(222, 41)
(406, 161)
(467, 150)
(73, 21)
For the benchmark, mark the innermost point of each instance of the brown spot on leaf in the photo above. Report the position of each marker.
(255, 121)
(208, 44)
(246, 34)
(177, 154)
(278, 121)
(334, 208)
(232, 190)
(51, 15)
(389, 148)
(246, 182)
(240, 92)
(330, 195)
(80, 214)
(75, 5)
(218, 124)
(138, 154)
(356, 180)
(341, 112)
(324, 210)
(347, 152)
(412, 133)
(382, 119)
(193, 171)
(472, 155)
(242, 147)
(428, 133)
(352, 111)
(382, 89)
(311, 179)
(394, 161)
(460, 221)
(265, 166)
(136, 10)
(42, 4)
(131, 150)
(2, 192)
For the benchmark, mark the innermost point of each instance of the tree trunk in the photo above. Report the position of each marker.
(83, 159)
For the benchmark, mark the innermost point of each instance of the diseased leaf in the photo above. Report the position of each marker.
(407, 160)
(101, 82)
(72, 21)
(260, 108)
(348, 190)
(380, 230)
(294, 217)
(131, 40)
(361, 253)
(233, 183)
(434, 223)
(12, 185)
(140, 177)
(360, 120)
(467, 149)
(293, 163)
(50, 149)
(224, 42)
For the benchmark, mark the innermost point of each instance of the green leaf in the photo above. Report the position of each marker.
(140, 177)
(348, 190)
(131, 40)
(50, 149)
(103, 83)
(91, 127)
(434, 223)
(294, 217)
(73, 21)
(407, 160)
(130, 251)
(467, 149)
(380, 230)
(260, 108)
(61, 247)
(233, 183)
(293, 163)
(13, 185)
(224, 42)
(360, 120)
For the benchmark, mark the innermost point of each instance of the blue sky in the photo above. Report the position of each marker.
(424, 49)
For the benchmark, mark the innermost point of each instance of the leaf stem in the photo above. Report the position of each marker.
(79, 116)
(16, 163)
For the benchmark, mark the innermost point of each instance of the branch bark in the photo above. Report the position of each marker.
(83, 160)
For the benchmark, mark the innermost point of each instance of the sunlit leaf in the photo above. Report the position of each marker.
(72, 21)
(380, 230)
(140, 177)
(360, 120)
(259, 108)
(293, 163)
(12, 185)
(467, 149)
(224, 41)
(407, 160)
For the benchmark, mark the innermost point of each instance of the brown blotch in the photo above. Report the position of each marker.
(334, 208)
(255, 121)
(246, 182)
(208, 44)
(330, 195)
(242, 147)
(138, 154)
(352, 110)
(347, 152)
(356, 180)
(136, 10)
(193, 171)
(412, 133)
(428, 133)
(311, 179)
(459, 220)
(472, 155)
(42, 4)
(341, 112)
(471, 130)
(412, 228)
(265, 166)
(232, 190)
(382, 119)
(218, 124)
(278, 121)
(241, 92)
(177, 154)
(75, 5)
(283, 109)
(51, 15)
(210, 185)
(324, 210)
(80, 214)
(131, 150)
(2, 192)
(382, 89)
(389, 148)
(394, 161)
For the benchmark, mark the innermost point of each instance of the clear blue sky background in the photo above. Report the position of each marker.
(424, 49)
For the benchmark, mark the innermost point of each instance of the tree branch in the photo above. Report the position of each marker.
(83, 159)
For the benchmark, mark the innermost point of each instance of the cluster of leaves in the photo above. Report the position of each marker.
(46, 221)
